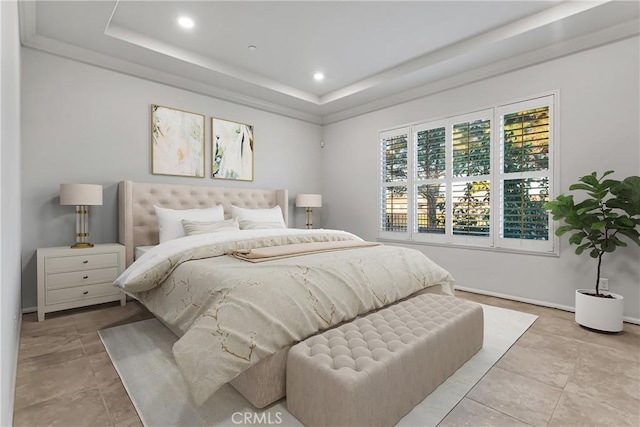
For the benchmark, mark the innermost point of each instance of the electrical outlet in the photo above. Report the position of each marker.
(604, 284)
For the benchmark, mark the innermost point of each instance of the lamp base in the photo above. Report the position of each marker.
(82, 228)
(309, 223)
(82, 245)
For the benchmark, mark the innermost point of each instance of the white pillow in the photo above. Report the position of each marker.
(192, 228)
(170, 220)
(259, 225)
(258, 215)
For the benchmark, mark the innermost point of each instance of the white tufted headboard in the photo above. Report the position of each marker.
(137, 218)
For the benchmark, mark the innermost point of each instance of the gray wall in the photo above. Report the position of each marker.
(10, 316)
(599, 130)
(85, 124)
(82, 123)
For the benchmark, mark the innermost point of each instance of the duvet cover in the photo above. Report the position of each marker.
(232, 313)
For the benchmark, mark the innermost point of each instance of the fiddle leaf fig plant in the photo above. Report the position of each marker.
(610, 212)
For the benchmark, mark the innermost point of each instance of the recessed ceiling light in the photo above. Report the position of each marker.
(318, 77)
(252, 48)
(185, 22)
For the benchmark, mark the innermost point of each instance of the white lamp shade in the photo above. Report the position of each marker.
(309, 200)
(80, 194)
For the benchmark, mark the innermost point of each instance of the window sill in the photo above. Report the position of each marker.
(554, 254)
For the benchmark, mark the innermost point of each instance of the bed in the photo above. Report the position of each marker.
(324, 281)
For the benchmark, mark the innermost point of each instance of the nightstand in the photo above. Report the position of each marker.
(70, 278)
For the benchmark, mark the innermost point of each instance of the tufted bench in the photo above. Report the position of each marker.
(377, 368)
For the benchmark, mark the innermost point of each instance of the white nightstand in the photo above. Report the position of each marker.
(69, 278)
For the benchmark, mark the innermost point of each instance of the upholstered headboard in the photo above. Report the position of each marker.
(138, 225)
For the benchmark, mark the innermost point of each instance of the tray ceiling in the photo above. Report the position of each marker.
(373, 54)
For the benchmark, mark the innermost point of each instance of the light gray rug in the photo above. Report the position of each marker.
(141, 353)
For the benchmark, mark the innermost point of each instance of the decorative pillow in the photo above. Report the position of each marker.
(170, 220)
(254, 225)
(258, 215)
(192, 228)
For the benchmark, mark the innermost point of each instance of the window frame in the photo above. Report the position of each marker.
(496, 179)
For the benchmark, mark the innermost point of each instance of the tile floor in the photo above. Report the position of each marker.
(557, 374)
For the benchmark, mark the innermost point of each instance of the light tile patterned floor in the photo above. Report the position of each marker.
(556, 374)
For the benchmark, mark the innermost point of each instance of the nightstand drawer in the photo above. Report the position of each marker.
(70, 278)
(57, 296)
(81, 278)
(70, 263)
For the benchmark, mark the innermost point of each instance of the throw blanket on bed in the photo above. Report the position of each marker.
(233, 313)
(287, 251)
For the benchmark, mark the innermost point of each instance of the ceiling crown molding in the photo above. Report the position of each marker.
(589, 41)
(30, 38)
(369, 94)
(505, 32)
(207, 63)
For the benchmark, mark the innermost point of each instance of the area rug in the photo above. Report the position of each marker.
(141, 353)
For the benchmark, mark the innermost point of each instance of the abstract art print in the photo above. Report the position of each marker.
(177, 142)
(231, 150)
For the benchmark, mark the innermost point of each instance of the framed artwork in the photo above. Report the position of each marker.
(231, 150)
(177, 142)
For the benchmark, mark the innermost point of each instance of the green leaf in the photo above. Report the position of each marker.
(576, 238)
(607, 173)
(590, 179)
(625, 222)
(598, 225)
(585, 187)
(583, 211)
(594, 253)
(608, 183)
(562, 230)
(631, 234)
(618, 242)
(608, 245)
(580, 249)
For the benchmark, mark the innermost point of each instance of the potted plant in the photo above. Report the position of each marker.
(600, 224)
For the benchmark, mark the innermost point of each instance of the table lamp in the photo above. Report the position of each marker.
(82, 196)
(309, 201)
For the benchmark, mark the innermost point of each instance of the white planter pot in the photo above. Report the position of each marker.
(602, 314)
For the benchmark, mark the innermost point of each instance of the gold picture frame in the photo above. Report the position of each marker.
(177, 142)
(232, 150)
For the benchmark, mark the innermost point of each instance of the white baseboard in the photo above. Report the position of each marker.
(628, 319)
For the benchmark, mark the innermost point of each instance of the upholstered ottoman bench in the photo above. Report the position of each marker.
(377, 368)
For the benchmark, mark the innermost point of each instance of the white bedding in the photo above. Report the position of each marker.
(232, 313)
(155, 256)
(140, 250)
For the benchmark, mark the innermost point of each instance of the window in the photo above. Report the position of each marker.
(478, 179)
(395, 169)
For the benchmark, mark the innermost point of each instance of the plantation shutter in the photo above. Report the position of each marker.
(394, 182)
(526, 163)
(430, 184)
(451, 191)
(477, 179)
(471, 178)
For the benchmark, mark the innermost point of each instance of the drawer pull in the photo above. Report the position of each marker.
(85, 292)
(85, 277)
(86, 261)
